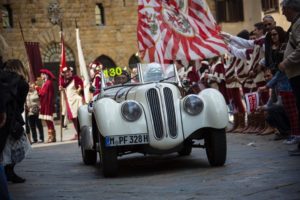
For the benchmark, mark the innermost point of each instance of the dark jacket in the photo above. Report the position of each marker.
(14, 89)
(292, 52)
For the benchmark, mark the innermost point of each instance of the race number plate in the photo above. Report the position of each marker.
(121, 140)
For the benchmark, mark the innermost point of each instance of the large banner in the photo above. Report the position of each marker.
(34, 57)
(177, 30)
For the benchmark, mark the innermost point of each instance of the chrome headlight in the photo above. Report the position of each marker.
(193, 105)
(131, 111)
(90, 106)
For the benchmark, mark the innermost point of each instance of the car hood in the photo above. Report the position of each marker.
(131, 91)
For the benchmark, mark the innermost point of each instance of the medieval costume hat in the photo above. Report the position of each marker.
(49, 73)
(67, 68)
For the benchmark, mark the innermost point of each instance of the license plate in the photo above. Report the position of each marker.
(121, 140)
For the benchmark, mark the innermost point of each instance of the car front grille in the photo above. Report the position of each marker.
(158, 117)
(169, 102)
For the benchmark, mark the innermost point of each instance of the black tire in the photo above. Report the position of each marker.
(89, 157)
(186, 150)
(216, 146)
(109, 159)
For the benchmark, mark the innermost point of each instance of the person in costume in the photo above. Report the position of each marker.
(46, 94)
(96, 69)
(73, 96)
(216, 76)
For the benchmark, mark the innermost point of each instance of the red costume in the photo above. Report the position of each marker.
(217, 79)
(97, 84)
(46, 94)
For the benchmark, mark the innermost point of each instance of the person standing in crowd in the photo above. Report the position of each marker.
(216, 77)
(4, 194)
(73, 96)
(33, 109)
(46, 94)
(253, 51)
(233, 84)
(269, 24)
(291, 62)
(96, 78)
(193, 78)
(14, 144)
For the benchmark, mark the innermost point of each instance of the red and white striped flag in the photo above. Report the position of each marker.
(177, 29)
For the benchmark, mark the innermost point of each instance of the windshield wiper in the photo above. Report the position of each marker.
(166, 78)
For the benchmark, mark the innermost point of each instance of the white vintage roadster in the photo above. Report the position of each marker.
(153, 116)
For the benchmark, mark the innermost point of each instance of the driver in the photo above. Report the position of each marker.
(121, 79)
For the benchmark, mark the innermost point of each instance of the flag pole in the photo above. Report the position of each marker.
(31, 76)
(61, 91)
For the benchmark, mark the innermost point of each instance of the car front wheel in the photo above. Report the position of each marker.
(109, 159)
(89, 157)
(216, 146)
(186, 149)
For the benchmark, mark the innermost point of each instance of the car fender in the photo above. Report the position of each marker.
(214, 113)
(110, 122)
(86, 138)
(84, 117)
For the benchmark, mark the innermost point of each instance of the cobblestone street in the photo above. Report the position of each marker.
(256, 168)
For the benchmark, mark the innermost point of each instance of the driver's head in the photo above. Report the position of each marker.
(121, 79)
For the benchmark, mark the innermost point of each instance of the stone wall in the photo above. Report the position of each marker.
(117, 39)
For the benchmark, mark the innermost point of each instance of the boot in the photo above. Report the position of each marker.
(234, 125)
(51, 136)
(241, 123)
(268, 130)
(11, 176)
(251, 123)
(261, 125)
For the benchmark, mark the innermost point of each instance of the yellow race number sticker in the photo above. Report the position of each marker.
(112, 72)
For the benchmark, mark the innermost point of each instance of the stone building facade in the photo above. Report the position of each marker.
(113, 41)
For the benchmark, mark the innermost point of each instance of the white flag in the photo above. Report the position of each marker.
(83, 68)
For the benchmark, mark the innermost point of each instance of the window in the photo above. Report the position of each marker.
(52, 53)
(99, 14)
(229, 10)
(6, 15)
(269, 5)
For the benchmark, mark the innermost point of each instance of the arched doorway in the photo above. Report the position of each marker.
(106, 61)
(51, 58)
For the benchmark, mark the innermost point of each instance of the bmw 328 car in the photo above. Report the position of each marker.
(152, 116)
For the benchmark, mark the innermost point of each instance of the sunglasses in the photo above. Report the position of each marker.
(274, 34)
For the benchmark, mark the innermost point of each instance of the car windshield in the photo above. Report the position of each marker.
(156, 72)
